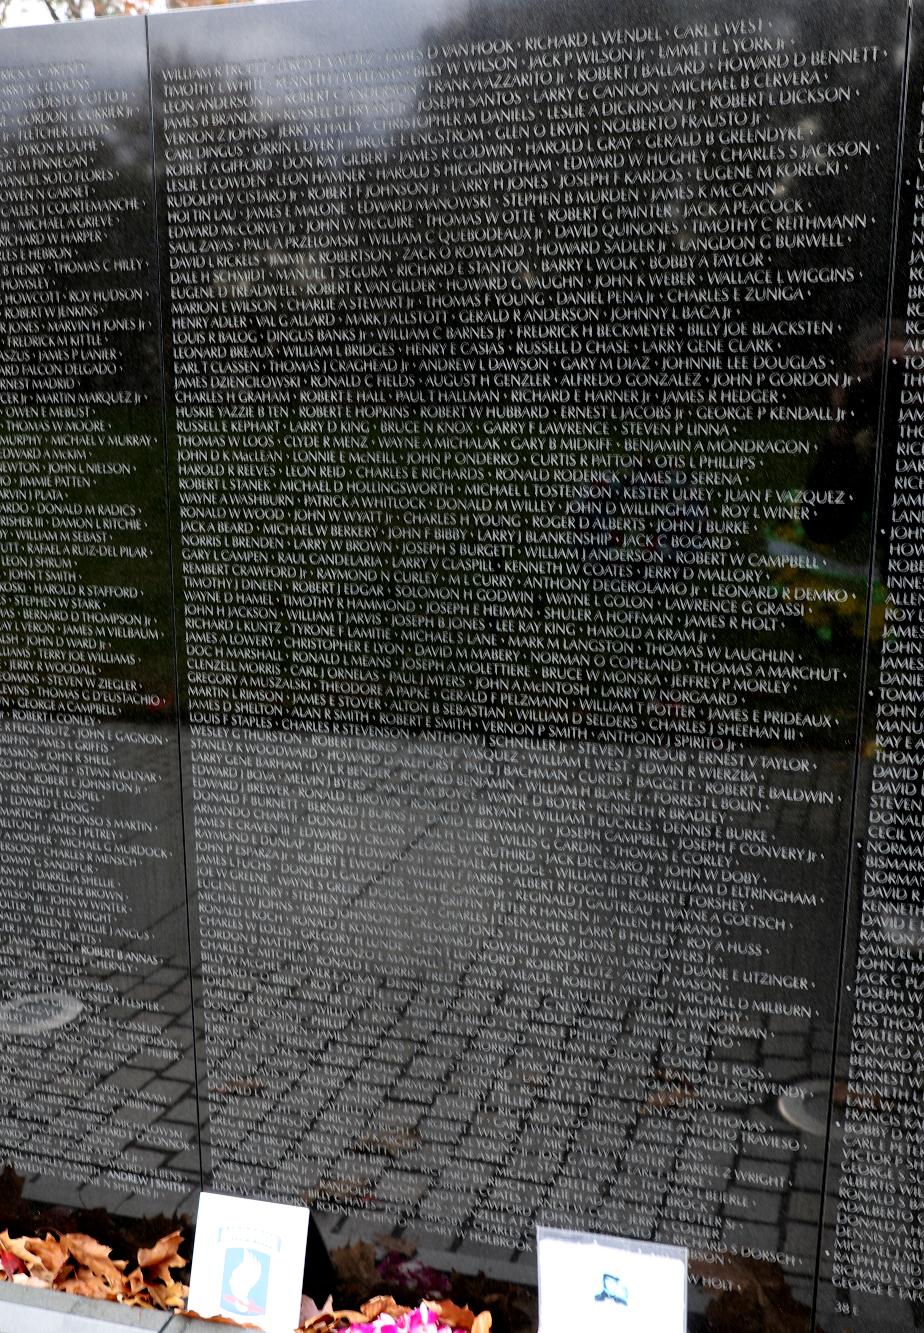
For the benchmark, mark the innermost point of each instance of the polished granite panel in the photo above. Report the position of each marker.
(524, 370)
(96, 1052)
(872, 1256)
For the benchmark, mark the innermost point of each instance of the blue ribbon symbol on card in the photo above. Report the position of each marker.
(614, 1289)
(245, 1281)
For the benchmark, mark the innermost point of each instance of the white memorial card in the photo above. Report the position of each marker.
(602, 1283)
(248, 1262)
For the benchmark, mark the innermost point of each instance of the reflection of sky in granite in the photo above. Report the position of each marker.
(97, 1074)
(404, 23)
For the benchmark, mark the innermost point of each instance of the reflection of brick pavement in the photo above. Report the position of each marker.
(773, 1197)
(102, 1109)
(460, 1085)
(152, 1133)
(450, 1079)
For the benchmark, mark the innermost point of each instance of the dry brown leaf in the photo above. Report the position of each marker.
(135, 1282)
(88, 1284)
(81, 1266)
(165, 1254)
(318, 1323)
(175, 1294)
(216, 1319)
(156, 1263)
(460, 1316)
(168, 1295)
(331, 1319)
(51, 1258)
(382, 1305)
(18, 1247)
(96, 1259)
(46, 1261)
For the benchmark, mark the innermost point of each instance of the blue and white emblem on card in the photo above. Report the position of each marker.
(605, 1284)
(248, 1262)
(245, 1283)
(613, 1289)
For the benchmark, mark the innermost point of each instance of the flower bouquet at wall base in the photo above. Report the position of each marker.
(140, 1263)
(382, 1314)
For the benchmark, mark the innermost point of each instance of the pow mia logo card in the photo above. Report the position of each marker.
(248, 1262)
(615, 1286)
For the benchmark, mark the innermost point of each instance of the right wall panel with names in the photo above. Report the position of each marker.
(872, 1256)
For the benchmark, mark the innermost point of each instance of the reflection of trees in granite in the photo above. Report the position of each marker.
(72, 11)
(380, 606)
(84, 439)
(86, 862)
(762, 1302)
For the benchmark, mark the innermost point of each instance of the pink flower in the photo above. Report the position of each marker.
(423, 1318)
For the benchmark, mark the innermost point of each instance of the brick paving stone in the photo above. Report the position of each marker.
(802, 1206)
(129, 1077)
(808, 1175)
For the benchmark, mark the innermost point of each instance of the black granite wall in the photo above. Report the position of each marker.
(459, 670)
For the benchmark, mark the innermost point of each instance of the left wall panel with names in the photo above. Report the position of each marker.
(96, 1032)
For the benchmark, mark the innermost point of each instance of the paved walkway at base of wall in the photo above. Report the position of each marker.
(29, 1310)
